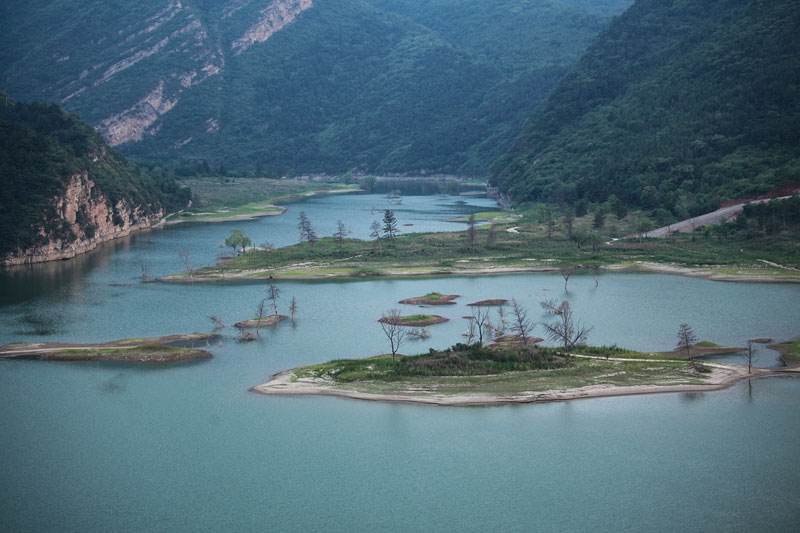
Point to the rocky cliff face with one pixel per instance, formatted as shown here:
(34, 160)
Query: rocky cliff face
(80, 219)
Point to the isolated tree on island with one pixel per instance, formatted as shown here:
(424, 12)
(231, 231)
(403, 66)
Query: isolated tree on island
(389, 224)
(395, 333)
(565, 329)
(260, 316)
(307, 232)
(686, 339)
(237, 240)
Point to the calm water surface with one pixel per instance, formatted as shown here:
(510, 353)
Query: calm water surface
(94, 447)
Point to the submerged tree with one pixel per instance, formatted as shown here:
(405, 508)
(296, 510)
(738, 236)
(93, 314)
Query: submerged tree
(273, 294)
(395, 333)
(217, 321)
(686, 339)
(293, 309)
(565, 329)
(520, 324)
(389, 224)
(566, 273)
(749, 355)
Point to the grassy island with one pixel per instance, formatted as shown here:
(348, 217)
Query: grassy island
(524, 247)
(511, 373)
(169, 349)
(415, 321)
(432, 298)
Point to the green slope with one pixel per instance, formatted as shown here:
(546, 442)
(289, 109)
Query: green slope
(678, 105)
(378, 85)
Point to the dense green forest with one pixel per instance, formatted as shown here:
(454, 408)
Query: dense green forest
(370, 85)
(41, 146)
(679, 105)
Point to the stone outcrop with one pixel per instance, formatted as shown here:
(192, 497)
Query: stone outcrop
(81, 218)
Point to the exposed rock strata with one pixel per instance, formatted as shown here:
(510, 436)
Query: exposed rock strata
(81, 218)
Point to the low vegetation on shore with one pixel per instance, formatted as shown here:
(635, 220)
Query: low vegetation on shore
(224, 199)
(538, 242)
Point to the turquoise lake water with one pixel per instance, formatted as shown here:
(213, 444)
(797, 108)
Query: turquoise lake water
(102, 447)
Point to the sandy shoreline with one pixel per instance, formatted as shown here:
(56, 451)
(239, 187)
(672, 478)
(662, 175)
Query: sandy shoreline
(723, 376)
(418, 272)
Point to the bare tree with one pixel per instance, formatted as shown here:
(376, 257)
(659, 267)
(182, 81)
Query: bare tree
(749, 355)
(273, 294)
(394, 331)
(471, 331)
(480, 317)
(472, 231)
(566, 273)
(293, 308)
(520, 323)
(218, 323)
(686, 339)
(260, 316)
(565, 329)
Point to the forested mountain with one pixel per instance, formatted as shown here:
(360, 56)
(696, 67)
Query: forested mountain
(63, 191)
(678, 105)
(292, 86)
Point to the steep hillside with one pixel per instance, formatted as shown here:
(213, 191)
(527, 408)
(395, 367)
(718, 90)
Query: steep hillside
(62, 190)
(678, 105)
(291, 86)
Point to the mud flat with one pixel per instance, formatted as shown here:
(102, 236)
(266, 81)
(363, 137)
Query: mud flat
(267, 321)
(168, 349)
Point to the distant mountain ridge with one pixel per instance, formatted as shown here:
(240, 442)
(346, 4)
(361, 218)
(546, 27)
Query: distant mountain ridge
(63, 191)
(293, 86)
(677, 106)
